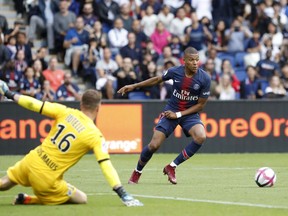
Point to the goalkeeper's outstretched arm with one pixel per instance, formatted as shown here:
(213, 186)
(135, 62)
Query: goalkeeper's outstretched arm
(23, 100)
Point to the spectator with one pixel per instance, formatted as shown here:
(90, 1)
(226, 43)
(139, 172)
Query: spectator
(46, 93)
(160, 38)
(214, 79)
(267, 68)
(20, 63)
(125, 16)
(225, 89)
(212, 54)
(219, 40)
(154, 4)
(11, 76)
(68, 91)
(275, 35)
(3, 24)
(166, 56)
(12, 32)
(250, 87)
(76, 42)
(275, 88)
(63, 21)
(253, 50)
(174, 5)
(89, 60)
(266, 44)
(149, 21)
(203, 8)
(117, 37)
(165, 16)
(30, 86)
(284, 76)
(141, 37)
(104, 70)
(107, 11)
(152, 91)
(22, 45)
(54, 75)
(283, 55)
(209, 67)
(236, 36)
(279, 18)
(179, 24)
(197, 35)
(125, 75)
(11, 45)
(43, 21)
(262, 20)
(99, 35)
(176, 47)
(88, 17)
(227, 68)
(38, 71)
(41, 55)
(4, 54)
(131, 50)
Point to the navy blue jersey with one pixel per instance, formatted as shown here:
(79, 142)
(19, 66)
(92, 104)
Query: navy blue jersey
(26, 85)
(186, 91)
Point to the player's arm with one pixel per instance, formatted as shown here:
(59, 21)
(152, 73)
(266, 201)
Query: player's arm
(149, 82)
(196, 108)
(112, 177)
(193, 109)
(30, 103)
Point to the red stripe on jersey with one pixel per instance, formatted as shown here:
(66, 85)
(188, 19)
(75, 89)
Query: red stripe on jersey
(186, 83)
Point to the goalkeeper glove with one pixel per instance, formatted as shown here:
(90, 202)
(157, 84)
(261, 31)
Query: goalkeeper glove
(4, 90)
(126, 198)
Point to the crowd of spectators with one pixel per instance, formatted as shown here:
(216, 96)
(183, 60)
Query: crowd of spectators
(242, 44)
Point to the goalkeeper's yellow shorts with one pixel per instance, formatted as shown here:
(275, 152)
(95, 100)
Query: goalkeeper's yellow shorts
(50, 191)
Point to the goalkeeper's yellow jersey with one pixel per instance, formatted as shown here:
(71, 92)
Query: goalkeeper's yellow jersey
(72, 135)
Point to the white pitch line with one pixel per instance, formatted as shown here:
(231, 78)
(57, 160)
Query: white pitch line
(201, 201)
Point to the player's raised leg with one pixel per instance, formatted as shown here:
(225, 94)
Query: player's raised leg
(198, 134)
(146, 154)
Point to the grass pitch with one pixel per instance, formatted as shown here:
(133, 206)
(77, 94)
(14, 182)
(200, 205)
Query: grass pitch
(208, 184)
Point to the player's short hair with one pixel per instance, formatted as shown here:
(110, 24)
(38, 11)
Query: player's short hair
(190, 50)
(91, 99)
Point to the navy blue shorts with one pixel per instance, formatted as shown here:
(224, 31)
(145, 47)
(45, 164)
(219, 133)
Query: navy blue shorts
(167, 126)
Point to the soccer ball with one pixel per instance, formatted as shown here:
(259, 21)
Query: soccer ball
(265, 177)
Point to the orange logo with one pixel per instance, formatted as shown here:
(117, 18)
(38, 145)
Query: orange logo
(121, 125)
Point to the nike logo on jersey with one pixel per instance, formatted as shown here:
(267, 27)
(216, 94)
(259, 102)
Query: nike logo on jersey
(206, 93)
(176, 81)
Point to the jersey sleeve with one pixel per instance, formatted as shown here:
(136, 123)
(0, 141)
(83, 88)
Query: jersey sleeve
(101, 149)
(168, 74)
(205, 92)
(53, 110)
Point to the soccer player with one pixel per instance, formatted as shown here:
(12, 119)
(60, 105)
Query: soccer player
(72, 135)
(191, 89)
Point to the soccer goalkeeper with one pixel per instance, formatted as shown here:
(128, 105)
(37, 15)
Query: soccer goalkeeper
(72, 135)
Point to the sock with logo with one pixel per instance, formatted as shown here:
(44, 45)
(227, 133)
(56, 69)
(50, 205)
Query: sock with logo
(145, 156)
(186, 153)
